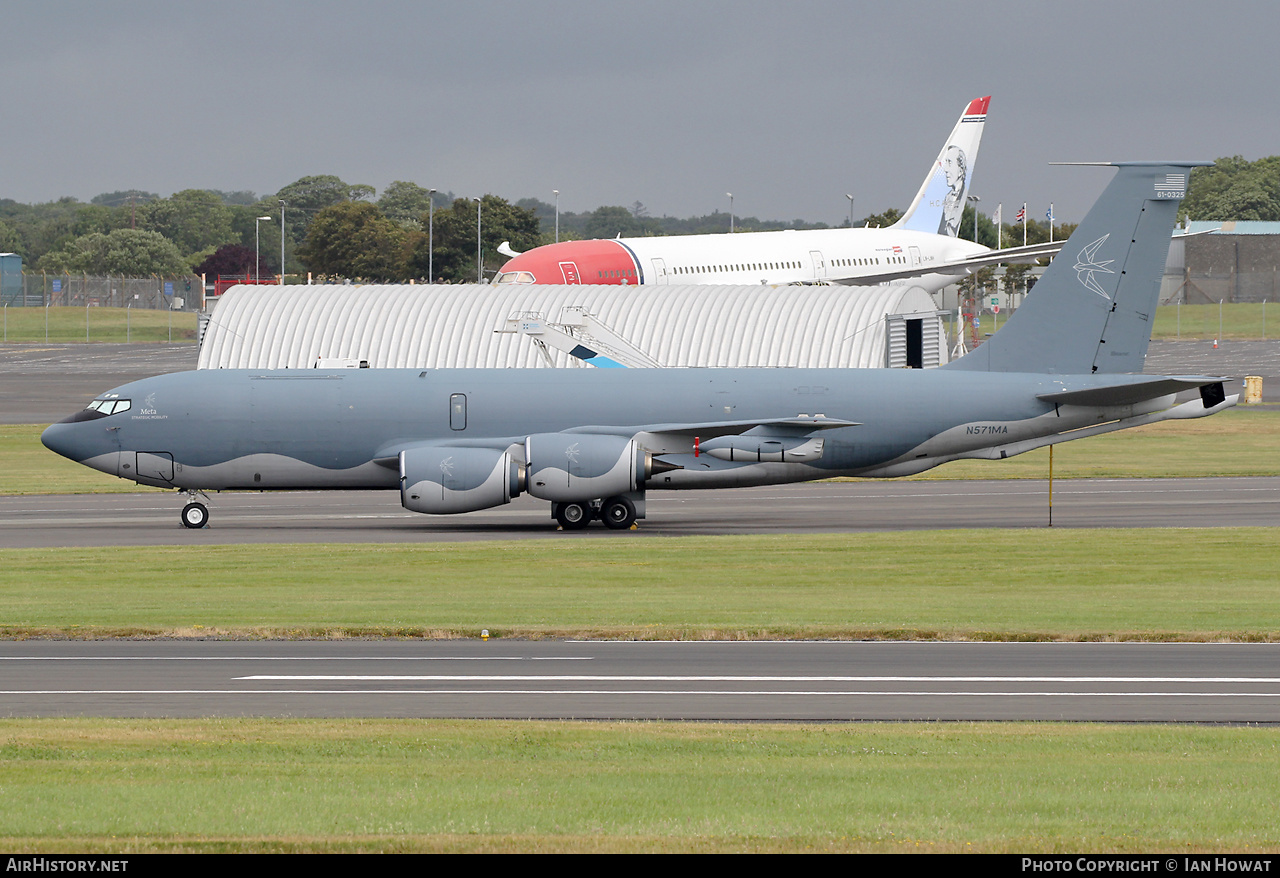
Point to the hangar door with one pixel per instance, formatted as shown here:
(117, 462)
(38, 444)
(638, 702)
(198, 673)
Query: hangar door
(914, 341)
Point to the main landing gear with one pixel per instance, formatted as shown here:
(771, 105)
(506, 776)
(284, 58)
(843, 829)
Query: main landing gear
(617, 513)
(195, 514)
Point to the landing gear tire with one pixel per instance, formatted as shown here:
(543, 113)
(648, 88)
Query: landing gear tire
(573, 516)
(195, 515)
(618, 513)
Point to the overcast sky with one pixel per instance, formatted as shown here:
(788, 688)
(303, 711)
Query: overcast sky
(787, 105)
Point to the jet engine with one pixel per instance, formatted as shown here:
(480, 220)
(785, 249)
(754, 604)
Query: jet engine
(571, 467)
(442, 479)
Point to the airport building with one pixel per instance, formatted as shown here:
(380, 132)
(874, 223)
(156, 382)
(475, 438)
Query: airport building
(531, 326)
(1223, 261)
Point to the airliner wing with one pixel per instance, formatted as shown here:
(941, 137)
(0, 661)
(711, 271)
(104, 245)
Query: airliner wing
(959, 267)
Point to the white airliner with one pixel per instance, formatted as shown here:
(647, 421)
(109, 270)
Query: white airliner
(922, 246)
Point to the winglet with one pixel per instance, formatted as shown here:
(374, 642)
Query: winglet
(939, 204)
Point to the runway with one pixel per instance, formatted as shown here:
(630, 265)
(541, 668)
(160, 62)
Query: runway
(151, 519)
(770, 681)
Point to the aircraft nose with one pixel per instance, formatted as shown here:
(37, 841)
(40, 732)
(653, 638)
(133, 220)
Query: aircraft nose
(61, 439)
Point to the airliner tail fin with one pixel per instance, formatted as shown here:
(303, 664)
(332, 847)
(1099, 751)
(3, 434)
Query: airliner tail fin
(939, 204)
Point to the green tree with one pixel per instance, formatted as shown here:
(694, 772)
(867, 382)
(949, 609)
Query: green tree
(611, 222)
(242, 197)
(455, 238)
(264, 235)
(10, 240)
(306, 197)
(123, 198)
(354, 240)
(406, 204)
(1037, 233)
(880, 220)
(194, 220)
(128, 252)
(986, 228)
(1234, 189)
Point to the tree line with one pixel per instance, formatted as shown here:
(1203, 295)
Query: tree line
(335, 229)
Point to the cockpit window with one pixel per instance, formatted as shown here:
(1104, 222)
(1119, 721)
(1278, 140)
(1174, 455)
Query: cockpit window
(110, 406)
(514, 277)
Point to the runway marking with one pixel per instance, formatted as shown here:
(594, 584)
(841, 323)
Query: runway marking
(770, 693)
(283, 658)
(703, 678)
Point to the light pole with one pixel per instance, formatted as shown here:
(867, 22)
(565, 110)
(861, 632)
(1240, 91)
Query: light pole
(557, 194)
(282, 207)
(850, 197)
(257, 249)
(973, 199)
(479, 259)
(730, 194)
(431, 242)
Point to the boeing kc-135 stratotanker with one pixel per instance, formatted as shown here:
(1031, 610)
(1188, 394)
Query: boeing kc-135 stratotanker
(593, 442)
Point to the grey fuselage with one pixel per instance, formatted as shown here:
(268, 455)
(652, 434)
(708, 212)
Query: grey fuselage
(288, 429)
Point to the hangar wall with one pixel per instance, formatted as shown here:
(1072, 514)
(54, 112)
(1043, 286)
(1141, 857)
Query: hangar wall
(464, 326)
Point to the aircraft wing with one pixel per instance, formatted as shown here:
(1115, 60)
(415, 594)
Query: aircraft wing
(655, 438)
(779, 439)
(958, 267)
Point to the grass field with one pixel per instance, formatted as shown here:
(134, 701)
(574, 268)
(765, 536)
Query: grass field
(114, 786)
(118, 325)
(1136, 584)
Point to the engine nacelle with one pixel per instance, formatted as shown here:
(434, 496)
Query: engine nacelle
(443, 480)
(572, 467)
(763, 449)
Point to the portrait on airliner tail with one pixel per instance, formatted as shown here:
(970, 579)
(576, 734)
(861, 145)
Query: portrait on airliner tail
(955, 169)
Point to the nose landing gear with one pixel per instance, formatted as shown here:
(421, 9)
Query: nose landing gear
(195, 514)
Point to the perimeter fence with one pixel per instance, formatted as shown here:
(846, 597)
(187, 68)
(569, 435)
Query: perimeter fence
(36, 290)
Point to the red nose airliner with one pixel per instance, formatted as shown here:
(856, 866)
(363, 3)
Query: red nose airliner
(922, 245)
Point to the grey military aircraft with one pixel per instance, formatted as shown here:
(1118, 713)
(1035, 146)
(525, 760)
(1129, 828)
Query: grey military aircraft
(593, 442)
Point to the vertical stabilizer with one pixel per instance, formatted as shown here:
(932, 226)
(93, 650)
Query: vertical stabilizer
(939, 204)
(1093, 310)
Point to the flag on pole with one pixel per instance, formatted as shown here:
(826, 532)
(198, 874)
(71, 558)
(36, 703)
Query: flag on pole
(1048, 214)
(1022, 215)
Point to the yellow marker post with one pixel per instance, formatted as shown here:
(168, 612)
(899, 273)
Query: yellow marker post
(1050, 486)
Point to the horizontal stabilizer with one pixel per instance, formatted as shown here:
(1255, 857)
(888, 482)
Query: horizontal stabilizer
(1130, 392)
